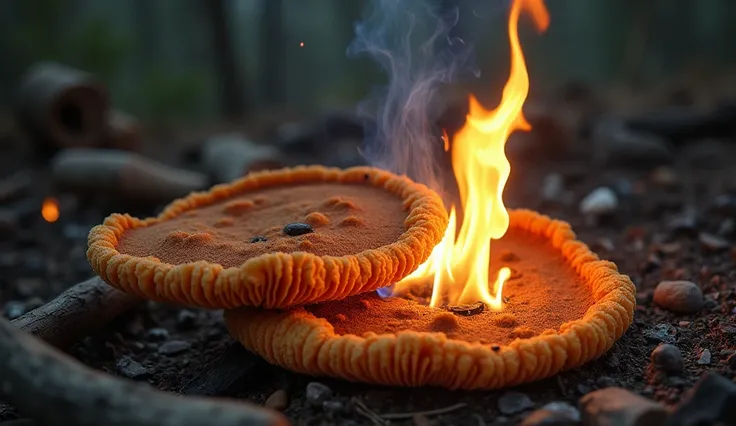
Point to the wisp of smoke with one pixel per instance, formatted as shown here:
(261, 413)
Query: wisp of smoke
(410, 40)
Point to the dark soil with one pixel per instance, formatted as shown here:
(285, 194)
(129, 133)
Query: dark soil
(645, 236)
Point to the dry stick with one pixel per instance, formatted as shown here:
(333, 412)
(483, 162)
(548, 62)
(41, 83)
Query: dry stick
(121, 173)
(366, 412)
(435, 412)
(76, 313)
(55, 390)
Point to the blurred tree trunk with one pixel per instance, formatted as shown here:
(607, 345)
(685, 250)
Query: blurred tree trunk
(147, 42)
(231, 93)
(271, 39)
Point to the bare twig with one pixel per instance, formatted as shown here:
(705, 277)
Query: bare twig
(366, 412)
(435, 412)
(76, 313)
(54, 389)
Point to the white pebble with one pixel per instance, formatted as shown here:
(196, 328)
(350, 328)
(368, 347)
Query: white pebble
(599, 202)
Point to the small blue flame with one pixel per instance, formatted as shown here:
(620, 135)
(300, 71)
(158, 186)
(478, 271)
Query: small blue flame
(385, 292)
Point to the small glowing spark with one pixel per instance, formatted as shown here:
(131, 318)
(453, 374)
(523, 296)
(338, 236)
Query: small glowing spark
(301, 44)
(50, 210)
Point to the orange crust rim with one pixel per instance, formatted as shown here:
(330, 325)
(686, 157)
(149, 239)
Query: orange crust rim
(299, 341)
(274, 279)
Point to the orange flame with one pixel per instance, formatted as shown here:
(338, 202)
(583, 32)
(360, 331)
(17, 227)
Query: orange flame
(459, 264)
(50, 210)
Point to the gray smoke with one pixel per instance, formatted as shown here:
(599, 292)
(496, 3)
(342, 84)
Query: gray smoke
(410, 40)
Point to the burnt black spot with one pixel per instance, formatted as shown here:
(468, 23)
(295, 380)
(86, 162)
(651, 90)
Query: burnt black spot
(297, 228)
(366, 176)
(495, 348)
(258, 239)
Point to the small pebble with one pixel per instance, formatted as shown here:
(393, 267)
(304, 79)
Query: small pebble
(186, 318)
(713, 242)
(682, 297)
(333, 407)
(297, 228)
(14, 309)
(662, 332)
(318, 393)
(709, 402)
(705, 357)
(514, 402)
(173, 347)
(130, 368)
(259, 239)
(278, 400)
(553, 414)
(605, 382)
(158, 334)
(667, 358)
(601, 201)
(552, 186)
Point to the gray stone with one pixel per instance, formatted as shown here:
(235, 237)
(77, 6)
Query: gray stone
(318, 393)
(682, 297)
(186, 319)
(158, 334)
(14, 309)
(705, 357)
(514, 402)
(173, 347)
(333, 407)
(601, 201)
(130, 368)
(663, 333)
(667, 358)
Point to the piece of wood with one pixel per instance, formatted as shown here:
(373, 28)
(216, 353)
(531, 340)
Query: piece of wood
(230, 156)
(58, 107)
(76, 313)
(123, 174)
(52, 388)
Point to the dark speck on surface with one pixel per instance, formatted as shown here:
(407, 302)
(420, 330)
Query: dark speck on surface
(260, 238)
(297, 228)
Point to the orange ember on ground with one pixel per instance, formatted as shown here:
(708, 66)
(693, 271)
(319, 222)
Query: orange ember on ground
(459, 264)
(50, 210)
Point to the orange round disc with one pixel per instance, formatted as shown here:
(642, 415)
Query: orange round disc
(274, 239)
(562, 307)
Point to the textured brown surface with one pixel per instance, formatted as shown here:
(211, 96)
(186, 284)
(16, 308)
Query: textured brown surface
(347, 219)
(298, 340)
(542, 294)
(273, 279)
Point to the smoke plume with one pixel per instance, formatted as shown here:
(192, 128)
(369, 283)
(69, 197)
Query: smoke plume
(410, 40)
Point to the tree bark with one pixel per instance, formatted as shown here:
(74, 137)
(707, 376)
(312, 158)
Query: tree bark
(76, 313)
(231, 91)
(52, 388)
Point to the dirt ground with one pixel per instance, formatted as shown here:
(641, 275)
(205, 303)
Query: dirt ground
(675, 222)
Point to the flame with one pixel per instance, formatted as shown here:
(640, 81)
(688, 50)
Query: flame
(50, 210)
(459, 264)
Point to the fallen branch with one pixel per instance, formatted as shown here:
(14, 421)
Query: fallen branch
(123, 174)
(435, 412)
(54, 389)
(365, 411)
(76, 313)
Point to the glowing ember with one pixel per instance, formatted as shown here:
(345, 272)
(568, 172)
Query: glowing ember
(50, 210)
(459, 264)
